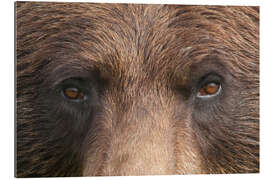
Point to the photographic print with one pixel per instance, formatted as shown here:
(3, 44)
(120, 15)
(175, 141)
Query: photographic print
(111, 89)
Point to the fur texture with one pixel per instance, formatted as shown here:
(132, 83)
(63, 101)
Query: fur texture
(142, 66)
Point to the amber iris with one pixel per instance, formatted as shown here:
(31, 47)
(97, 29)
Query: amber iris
(73, 93)
(209, 89)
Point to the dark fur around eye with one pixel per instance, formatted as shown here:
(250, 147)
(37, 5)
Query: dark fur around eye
(74, 114)
(191, 90)
(87, 93)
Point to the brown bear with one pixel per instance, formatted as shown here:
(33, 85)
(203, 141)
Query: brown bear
(132, 89)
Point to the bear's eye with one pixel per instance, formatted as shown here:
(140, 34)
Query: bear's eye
(74, 89)
(73, 93)
(209, 89)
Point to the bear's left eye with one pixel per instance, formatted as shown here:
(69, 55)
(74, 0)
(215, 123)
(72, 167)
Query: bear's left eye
(210, 87)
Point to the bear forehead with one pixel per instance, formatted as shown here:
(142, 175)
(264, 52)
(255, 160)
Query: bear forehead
(133, 39)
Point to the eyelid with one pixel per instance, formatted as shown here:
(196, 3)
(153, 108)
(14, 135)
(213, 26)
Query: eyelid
(210, 77)
(61, 78)
(78, 82)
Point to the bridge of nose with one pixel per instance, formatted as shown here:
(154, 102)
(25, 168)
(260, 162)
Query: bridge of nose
(141, 142)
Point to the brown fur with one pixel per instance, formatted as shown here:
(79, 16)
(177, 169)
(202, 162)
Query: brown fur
(145, 63)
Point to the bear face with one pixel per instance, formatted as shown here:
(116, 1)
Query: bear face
(123, 89)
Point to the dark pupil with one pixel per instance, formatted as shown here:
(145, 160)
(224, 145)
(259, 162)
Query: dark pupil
(73, 93)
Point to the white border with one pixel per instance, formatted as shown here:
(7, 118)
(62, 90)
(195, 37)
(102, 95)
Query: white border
(7, 87)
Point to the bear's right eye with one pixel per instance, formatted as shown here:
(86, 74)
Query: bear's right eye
(73, 93)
